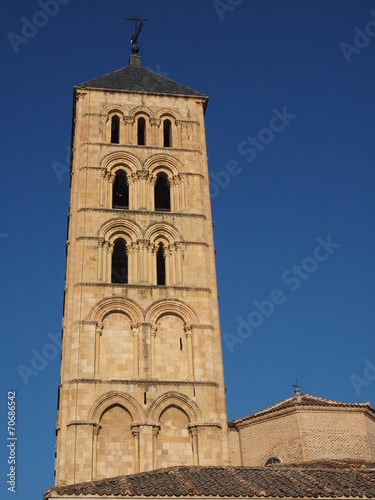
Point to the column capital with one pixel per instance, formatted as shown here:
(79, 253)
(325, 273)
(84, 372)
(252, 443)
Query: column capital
(129, 120)
(155, 122)
(96, 428)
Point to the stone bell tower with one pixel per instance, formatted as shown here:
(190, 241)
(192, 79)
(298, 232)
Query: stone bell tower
(141, 382)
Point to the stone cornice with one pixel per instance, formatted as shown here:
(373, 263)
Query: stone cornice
(141, 212)
(145, 286)
(143, 382)
(135, 146)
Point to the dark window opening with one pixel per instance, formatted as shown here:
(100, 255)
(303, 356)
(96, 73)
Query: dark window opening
(160, 266)
(272, 461)
(167, 131)
(180, 344)
(141, 131)
(120, 191)
(115, 129)
(162, 195)
(144, 398)
(119, 262)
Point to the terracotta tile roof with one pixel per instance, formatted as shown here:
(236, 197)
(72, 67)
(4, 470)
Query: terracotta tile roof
(324, 479)
(302, 400)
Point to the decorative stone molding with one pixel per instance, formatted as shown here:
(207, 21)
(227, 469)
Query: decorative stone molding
(146, 286)
(125, 214)
(143, 382)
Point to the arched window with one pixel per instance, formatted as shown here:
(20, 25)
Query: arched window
(160, 266)
(115, 129)
(162, 194)
(272, 461)
(141, 131)
(120, 198)
(119, 262)
(167, 133)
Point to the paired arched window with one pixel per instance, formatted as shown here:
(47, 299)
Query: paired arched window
(167, 133)
(141, 131)
(120, 198)
(162, 194)
(119, 262)
(160, 265)
(272, 461)
(115, 129)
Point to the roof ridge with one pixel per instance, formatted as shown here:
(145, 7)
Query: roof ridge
(300, 400)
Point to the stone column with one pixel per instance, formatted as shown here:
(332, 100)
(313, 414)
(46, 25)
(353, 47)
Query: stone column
(182, 194)
(172, 264)
(150, 270)
(167, 266)
(98, 334)
(187, 329)
(142, 176)
(129, 122)
(194, 437)
(135, 432)
(152, 181)
(155, 432)
(179, 263)
(152, 340)
(135, 190)
(135, 350)
(100, 259)
(95, 433)
(155, 126)
(109, 190)
(129, 254)
(101, 189)
(109, 248)
(135, 272)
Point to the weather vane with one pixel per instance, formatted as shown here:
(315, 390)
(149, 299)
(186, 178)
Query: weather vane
(137, 30)
(297, 388)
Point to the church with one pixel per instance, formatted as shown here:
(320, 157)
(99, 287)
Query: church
(141, 399)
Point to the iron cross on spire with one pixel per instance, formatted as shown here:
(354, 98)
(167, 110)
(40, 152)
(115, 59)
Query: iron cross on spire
(297, 388)
(137, 30)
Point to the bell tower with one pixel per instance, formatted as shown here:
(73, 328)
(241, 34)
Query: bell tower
(141, 383)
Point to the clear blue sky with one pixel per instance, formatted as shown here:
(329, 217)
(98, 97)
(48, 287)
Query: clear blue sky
(307, 175)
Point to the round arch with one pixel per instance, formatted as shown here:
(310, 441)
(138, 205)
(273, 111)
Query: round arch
(116, 398)
(120, 227)
(173, 306)
(177, 400)
(113, 108)
(141, 110)
(163, 163)
(112, 305)
(121, 160)
(162, 229)
(167, 113)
